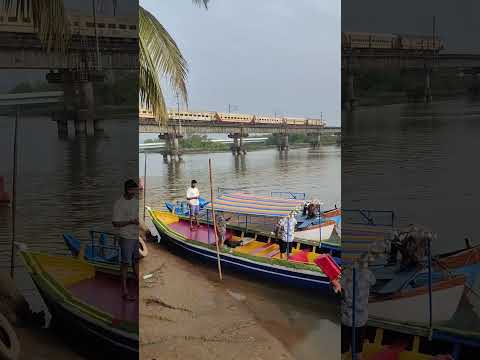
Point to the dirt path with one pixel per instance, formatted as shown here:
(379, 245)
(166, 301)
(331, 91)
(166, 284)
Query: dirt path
(183, 315)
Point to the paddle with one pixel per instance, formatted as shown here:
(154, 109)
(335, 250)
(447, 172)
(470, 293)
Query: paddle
(214, 220)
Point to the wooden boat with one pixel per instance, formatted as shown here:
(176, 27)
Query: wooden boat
(409, 292)
(328, 215)
(257, 255)
(87, 297)
(320, 232)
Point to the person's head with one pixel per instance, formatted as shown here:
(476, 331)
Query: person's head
(130, 189)
(194, 183)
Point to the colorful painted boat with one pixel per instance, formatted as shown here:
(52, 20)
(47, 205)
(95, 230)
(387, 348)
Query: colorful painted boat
(87, 297)
(320, 232)
(329, 215)
(410, 293)
(256, 256)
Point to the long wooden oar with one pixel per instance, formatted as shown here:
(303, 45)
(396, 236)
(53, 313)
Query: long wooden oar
(214, 220)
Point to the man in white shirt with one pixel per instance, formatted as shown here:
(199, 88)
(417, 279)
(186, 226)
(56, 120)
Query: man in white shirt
(194, 204)
(125, 220)
(287, 225)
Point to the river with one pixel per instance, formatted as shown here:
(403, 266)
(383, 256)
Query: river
(421, 162)
(307, 325)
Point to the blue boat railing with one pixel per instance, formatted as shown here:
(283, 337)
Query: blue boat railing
(106, 243)
(289, 195)
(368, 217)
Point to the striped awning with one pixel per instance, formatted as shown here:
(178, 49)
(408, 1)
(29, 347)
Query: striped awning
(361, 239)
(248, 204)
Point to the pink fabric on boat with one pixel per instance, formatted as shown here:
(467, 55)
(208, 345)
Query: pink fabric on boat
(203, 233)
(104, 292)
(301, 256)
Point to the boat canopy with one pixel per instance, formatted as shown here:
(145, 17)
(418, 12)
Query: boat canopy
(248, 204)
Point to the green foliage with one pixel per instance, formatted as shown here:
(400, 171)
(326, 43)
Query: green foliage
(26, 87)
(202, 143)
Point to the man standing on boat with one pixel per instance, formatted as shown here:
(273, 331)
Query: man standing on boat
(125, 220)
(193, 196)
(364, 280)
(287, 227)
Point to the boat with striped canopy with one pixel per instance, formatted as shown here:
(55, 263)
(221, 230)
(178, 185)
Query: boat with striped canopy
(262, 212)
(87, 297)
(251, 252)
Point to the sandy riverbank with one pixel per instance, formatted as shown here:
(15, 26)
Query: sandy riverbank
(183, 315)
(42, 344)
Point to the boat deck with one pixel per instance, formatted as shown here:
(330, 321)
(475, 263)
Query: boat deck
(104, 292)
(204, 234)
(269, 250)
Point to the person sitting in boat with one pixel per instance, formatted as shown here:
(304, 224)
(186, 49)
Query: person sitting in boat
(287, 226)
(221, 229)
(125, 219)
(412, 244)
(193, 196)
(364, 280)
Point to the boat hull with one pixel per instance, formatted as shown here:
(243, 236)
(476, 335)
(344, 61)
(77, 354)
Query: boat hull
(110, 341)
(412, 306)
(322, 232)
(256, 270)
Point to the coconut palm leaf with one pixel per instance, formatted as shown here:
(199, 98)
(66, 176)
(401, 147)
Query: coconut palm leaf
(159, 57)
(48, 17)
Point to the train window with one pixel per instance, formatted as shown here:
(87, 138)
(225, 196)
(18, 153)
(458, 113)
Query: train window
(133, 27)
(122, 26)
(112, 26)
(101, 25)
(90, 24)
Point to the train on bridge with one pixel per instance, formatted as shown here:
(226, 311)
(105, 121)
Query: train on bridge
(79, 24)
(218, 117)
(367, 40)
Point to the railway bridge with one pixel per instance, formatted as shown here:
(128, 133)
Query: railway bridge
(177, 128)
(422, 64)
(96, 44)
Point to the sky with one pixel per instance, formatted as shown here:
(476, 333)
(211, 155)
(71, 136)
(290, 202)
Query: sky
(262, 57)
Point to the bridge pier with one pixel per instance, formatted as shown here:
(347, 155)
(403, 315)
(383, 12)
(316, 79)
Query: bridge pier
(315, 140)
(428, 88)
(79, 102)
(172, 146)
(238, 146)
(283, 145)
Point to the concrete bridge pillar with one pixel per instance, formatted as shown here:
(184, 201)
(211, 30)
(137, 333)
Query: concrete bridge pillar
(350, 85)
(238, 146)
(428, 88)
(315, 140)
(283, 146)
(172, 146)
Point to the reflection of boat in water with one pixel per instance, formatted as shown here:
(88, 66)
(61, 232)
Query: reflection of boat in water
(250, 253)
(406, 298)
(87, 298)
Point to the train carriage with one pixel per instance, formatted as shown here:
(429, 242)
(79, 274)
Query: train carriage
(235, 118)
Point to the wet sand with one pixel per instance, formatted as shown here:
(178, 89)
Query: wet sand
(185, 315)
(42, 344)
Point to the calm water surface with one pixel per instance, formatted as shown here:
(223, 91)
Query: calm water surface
(420, 161)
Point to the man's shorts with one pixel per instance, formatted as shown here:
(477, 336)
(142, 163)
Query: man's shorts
(194, 209)
(285, 246)
(129, 251)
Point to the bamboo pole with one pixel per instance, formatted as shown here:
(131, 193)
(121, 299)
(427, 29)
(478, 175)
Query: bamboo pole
(144, 186)
(14, 192)
(214, 220)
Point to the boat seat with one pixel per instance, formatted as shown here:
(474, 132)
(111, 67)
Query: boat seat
(249, 247)
(247, 240)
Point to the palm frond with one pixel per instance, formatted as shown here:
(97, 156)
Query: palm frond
(48, 17)
(159, 56)
(201, 2)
